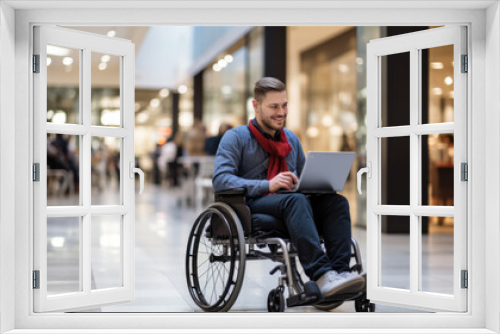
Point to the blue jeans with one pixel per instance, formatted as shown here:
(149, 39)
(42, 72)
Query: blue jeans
(301, 217)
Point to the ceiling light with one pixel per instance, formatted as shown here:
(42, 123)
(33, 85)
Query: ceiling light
(216, 67)
(312, 132)
(228, 58)
(343, 68)
(327, 120)
(110, 117)
(111, 33)
(57, 242)
(155, 103)
(186, 119)
(49, 61)
(142, 117)
(67, 61)
(226, 90)
(336, 131)
(164, 92)
(437, 66)
(182, 89)
(59, 117)
(105, 58)
(437, 91)
(57, 51)
(222, 63)
(448, 80)
(103, 66)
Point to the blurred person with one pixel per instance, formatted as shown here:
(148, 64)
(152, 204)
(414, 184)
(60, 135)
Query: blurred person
(99, 158)
(158, 167)
(170, 153)
(55, 157)
(114, 164)
(65, 157)
(212, 143)
(449, 154)
(264, 157)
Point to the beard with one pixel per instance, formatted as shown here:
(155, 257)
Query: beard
(268, 122)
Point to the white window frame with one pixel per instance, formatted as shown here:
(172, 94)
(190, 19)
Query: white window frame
(483, 122)
(413, 44)
(86, 44)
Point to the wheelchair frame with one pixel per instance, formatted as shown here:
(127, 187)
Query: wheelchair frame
(221, 240)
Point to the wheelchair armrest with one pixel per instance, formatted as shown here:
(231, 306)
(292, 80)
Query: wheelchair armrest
(231, 192)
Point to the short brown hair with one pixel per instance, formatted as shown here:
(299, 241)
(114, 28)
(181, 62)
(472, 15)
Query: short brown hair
(265, 85)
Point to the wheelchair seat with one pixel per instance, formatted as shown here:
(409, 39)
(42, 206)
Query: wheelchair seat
(226, 235)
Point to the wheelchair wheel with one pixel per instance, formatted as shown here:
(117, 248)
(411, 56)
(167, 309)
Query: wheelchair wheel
(276, 300)
(364, 305)
(215, 258)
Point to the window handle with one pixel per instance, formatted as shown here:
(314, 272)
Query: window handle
(368, 171)
(133, 170)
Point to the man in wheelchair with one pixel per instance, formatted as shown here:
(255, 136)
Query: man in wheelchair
(264, 157)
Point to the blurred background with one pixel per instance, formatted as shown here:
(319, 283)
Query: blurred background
(193, 83)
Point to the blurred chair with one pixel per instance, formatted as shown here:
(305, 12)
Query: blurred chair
(203, 181)
(59, 181)
(199, 179)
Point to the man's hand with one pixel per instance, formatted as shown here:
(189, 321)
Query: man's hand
(284, 180)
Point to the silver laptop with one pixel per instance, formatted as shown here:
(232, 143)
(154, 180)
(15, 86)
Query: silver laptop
(324, 172)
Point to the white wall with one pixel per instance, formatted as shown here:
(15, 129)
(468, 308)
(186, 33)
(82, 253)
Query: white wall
(492, 163)
(7, 186)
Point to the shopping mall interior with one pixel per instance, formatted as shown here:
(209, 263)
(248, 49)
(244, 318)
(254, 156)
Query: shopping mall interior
(193, 81)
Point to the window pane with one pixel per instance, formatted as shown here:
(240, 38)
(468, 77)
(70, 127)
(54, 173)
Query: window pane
(440, 168)
(105, 169)
(105, 90)
(63, 82)
(106, 252)
(395, 171)
(437, 255)
(63, 255)
(395, 89)
(395, 255)
(440, 98)
(63, 171)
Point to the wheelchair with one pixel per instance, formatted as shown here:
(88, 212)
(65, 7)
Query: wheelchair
(220, 243)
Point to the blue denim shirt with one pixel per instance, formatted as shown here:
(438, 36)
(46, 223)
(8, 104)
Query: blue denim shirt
(242, 163)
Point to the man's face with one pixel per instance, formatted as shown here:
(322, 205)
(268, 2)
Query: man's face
(271, 113)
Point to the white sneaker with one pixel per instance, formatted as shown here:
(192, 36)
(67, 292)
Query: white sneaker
(332, 283)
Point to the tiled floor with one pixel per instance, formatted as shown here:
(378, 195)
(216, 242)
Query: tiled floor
(163, 224)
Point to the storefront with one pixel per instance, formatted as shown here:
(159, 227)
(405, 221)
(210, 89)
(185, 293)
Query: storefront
(483, 194)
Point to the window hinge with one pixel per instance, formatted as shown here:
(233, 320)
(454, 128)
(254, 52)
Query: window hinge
(36, 63)
(464, 171)
(465, 279)
(36, 279)
(465, 64)
(36, 172)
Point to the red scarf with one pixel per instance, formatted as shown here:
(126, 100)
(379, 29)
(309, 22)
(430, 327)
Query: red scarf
(278, 151)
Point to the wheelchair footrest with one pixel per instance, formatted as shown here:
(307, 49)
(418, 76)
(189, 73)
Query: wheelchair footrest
(312, 295)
